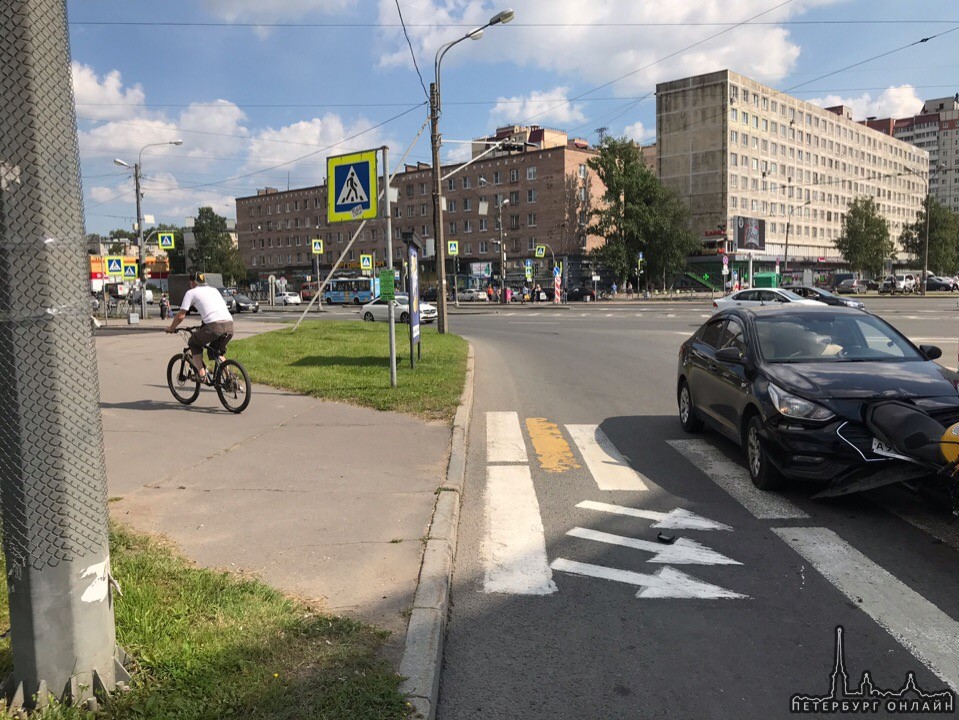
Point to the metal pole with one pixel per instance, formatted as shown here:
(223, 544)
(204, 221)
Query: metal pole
(53, 485)
(436, 141)
(925, 262)
(391, 305)
(142, 250)
(786, 251)
(502, 257)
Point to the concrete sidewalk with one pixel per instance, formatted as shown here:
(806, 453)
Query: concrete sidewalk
(322, 500)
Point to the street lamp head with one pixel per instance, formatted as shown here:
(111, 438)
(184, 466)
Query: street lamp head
(118, 161)
(505, 202)
(176, 142)
(475, 34)
(502, 17)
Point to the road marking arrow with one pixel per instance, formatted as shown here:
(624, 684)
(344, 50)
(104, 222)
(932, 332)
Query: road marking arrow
(682, 552)
(677, 519)
(664, 583)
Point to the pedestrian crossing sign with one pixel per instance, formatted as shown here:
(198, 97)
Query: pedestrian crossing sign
(114, 265)
(366, 262)
(540, 251)
(317, 246)
(129, 270)
(351, 187)
(453, 248)
(166, 240)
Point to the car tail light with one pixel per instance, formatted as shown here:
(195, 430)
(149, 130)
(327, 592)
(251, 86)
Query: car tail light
(714, 304)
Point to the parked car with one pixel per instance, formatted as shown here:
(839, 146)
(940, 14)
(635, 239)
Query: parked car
(852, 285)
(838, 279)
(244, 303)
(134, 297)
(823, 296)
(377, 310)
(581, 293)
(910, 282)
(789, 384)
(893, 284)
(762, 296)
(287, 298)
(473, 295)
(429, 294)
(938, 283)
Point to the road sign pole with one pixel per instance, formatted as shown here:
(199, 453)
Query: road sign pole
(390, 305)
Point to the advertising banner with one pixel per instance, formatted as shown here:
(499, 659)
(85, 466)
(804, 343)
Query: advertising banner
(750, 234)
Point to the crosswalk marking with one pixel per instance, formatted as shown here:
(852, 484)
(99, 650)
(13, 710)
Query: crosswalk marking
(666, 582)
(504, 438)
(677, 519)
(515, 541)
(925, 630)
(609, 469)
(551, 447)
(734, 479)
(682, 552)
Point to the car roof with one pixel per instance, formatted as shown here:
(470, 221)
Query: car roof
(794, 309)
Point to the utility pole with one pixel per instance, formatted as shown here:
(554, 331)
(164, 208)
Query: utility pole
(436, 141)
(141, 248)
(53, 489)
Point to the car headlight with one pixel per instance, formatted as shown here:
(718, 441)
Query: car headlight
(796, 407)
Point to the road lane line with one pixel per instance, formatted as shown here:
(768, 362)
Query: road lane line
(515, 540)
(609, 469)
(664, 583)
(554, 453)
(734, 479)
(504, 438)
(925, 630)
(682, 551)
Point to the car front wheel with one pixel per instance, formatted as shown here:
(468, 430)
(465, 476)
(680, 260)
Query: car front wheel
(368, 317)
(687, 413)
(762, 472)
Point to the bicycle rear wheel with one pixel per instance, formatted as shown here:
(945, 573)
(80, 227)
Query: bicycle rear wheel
(233, 386)
(182, 379)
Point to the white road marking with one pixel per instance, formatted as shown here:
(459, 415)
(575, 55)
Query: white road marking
(677, 519)
(639, 314)
(734, 479)
(682, 552)
(940, 528)
(664, 583)
(925, 630)
(504, 438)
(515, 541)
(609, 469)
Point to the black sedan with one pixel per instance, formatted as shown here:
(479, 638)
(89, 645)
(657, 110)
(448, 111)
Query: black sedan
(823, 296)
(244, 303)
(581, 293)
(790, 384)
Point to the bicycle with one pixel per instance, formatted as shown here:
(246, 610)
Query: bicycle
(230, 378)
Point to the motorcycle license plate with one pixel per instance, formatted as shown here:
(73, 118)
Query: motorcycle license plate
(881, 448)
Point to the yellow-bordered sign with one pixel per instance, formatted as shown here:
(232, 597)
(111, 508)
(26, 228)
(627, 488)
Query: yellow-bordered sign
(114, 265)
(540, 251)
(452, 248)
(317, 246)
(351, 187)
(366, 262)
(129, 270)
(167, 241)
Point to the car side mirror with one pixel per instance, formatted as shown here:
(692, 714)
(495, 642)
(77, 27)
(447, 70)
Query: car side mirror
(730, 355)
(932, 352)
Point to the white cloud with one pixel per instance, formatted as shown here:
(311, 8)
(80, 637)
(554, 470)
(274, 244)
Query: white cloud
(104, 98)
(895, 102)
(458, 153)
(638, 132)
(540, 107)
(251, 11)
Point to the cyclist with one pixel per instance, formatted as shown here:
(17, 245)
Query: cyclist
(216, 323)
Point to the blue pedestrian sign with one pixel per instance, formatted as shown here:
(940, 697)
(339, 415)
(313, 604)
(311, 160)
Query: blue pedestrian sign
(115, 265)
(129, 271)
(351, 187)
(317, 246)
(529, 263)
(167, 240)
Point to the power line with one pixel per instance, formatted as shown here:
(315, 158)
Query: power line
(412, 54)
(340, 25)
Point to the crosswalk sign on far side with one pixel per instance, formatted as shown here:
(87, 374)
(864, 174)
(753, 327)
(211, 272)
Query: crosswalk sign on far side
(351, 186)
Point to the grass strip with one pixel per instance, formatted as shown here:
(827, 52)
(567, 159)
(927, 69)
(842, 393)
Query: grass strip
(209, 645)
(349, 361)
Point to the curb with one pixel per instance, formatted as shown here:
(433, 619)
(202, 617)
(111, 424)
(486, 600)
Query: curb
(423, 656)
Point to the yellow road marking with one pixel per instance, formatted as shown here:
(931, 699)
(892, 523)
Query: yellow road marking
(554, 452)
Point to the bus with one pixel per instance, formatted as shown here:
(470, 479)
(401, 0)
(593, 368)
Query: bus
(355, 290)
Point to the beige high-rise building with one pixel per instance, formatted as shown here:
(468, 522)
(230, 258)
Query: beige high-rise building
(734, 148)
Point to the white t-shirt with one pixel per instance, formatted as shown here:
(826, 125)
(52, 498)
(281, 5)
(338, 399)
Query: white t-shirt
(208, 302)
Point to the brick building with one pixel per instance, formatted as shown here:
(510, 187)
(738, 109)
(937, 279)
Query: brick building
(545, 179)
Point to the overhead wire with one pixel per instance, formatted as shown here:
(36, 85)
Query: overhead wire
(412, 53)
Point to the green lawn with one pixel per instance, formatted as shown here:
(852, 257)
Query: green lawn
(348, 361)
(209, 646)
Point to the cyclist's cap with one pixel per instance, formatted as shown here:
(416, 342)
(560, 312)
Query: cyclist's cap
(198, 277)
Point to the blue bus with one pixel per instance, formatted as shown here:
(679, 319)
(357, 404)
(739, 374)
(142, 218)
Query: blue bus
(355, 290)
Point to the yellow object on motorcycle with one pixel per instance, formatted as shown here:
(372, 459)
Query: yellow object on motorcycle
(949, 444)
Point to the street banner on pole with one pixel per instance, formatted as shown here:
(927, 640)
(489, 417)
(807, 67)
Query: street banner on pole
(352, 187)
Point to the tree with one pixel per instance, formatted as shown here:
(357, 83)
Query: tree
(214, 251)
(943, 237)
(639, 214)
(864, 242)
(577, 206)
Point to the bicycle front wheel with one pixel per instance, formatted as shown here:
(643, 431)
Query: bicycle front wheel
(233, 386)
(182, 379)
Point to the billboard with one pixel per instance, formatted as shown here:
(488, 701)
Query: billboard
(749, 234)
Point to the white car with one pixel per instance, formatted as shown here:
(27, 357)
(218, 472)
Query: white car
(472, 295)
(761, 296)
(287, 298)
(377, 310)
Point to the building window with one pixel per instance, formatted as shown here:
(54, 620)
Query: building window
(468, 248)
(467, 183)
(514, 198)
(745, 117)
(422, 188)
(530, 196)
(453, 228)
(467, 226)
(450, 206)
(734, 137)
(451, 184)
(733, 159)
(497, 177)
(482, 247)
(531, 172)
(467, 204)
(531, 220)
(582, 171)
(483, 225)
(409, 190)
(514, 222)
(734, 115)
(514, 175)
(423, 209)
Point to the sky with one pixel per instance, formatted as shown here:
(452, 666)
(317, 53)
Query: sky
(261, 92)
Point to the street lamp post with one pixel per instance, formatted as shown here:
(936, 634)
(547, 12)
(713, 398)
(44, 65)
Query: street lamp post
(788, 222)
(140, 243)
(502, 252)
(436, 141)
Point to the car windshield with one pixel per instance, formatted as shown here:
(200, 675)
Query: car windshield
(827, 337)
(243, 299)
(790, 294)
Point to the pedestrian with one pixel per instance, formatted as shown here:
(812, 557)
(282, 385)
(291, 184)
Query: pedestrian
(629, 290)
(489, 293)
(522, 298)
(613, 289)
(509, 295)
(164, 307)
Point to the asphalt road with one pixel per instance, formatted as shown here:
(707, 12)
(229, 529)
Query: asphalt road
(569, 610)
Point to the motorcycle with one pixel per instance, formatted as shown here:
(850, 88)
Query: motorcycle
(928, 451)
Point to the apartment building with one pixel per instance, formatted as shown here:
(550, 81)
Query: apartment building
(936, 130)
(542, 189)
(732, 147)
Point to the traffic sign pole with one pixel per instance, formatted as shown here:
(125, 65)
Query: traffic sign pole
(391, 304)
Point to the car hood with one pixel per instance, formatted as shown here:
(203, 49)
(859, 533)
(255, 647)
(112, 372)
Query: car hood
(864, 380)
